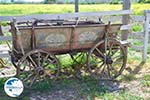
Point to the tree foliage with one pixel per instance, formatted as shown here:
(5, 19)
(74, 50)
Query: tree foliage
(50, 1)
(144, 1)
(116, 1)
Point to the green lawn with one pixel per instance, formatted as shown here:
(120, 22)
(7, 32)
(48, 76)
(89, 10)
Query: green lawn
(23, 9)
(86, 87)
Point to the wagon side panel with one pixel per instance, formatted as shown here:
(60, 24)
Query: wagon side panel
(53, 39)
(23, 40)
(86, 37)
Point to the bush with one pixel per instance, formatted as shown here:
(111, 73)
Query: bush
(144, 1)
(116, 2)
(49, 1)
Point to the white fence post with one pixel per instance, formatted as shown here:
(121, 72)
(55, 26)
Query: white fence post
(146, 33)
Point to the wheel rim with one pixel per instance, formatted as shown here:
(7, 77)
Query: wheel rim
(107, 59)
(36, 66)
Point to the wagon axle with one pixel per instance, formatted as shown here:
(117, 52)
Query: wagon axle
(108, 60)
(40, 70)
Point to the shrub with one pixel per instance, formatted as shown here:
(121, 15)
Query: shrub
(144, 1)
(116, 2)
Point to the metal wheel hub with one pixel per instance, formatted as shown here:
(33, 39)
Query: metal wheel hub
(109, 60)
(40, 70)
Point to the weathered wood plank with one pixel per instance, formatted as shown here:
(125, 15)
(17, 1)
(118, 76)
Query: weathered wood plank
(147, 22)
(137, 35)
(125, 43)
(4, 55)
(125, 19)
(146, 11)
(65, 16)
(1, 32)
(76, 5)
(126, 27)
(138, 48)
(5, 38)
(137, 18)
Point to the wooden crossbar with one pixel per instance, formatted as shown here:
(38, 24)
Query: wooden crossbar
(5, 38)
(65, 16)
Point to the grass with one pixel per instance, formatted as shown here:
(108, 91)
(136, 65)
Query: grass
(24, 9)
(86, 87)
(146, 80)
(89, 89)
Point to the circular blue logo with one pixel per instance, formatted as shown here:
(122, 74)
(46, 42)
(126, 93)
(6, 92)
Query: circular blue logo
(13, 87)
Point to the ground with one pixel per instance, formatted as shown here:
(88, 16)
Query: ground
(134, 84)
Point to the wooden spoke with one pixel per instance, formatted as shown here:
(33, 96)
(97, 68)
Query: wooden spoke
(39, 58)
(99, 52)
(114, 59)
(32, 61)
(36, 65)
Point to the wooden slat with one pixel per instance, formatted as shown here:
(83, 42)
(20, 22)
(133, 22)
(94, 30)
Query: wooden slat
(147, 11)
(147, 22)
(125, 43)
(65, 16)
(4, 55)
(137, 35)
(125, 19)
(125, 27)
(1, 32)
(139, 48)
(137, 18)
(5, 38)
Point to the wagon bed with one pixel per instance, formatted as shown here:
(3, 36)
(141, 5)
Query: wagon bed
(63, 38)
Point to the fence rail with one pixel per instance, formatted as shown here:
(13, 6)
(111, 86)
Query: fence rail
(65, 16)
(142, 20)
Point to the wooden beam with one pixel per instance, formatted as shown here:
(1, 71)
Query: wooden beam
(147, 11)
(65, 16)
(4, 55)
(5, 38)
(125, 27)
(76, 5)
(138, 18)
(146, 35)
(1, 32)
(137, 35)
(138, 48)
(125, 19)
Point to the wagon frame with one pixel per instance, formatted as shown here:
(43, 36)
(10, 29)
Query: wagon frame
(34, 53)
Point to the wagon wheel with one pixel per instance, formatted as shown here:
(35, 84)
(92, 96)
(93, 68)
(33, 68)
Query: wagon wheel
(36, 66)
(79, 63)
(107, 59)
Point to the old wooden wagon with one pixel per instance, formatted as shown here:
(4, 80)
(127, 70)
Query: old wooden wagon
(37, 43)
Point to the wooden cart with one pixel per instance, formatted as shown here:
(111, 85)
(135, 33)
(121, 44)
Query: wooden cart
(36, 44)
